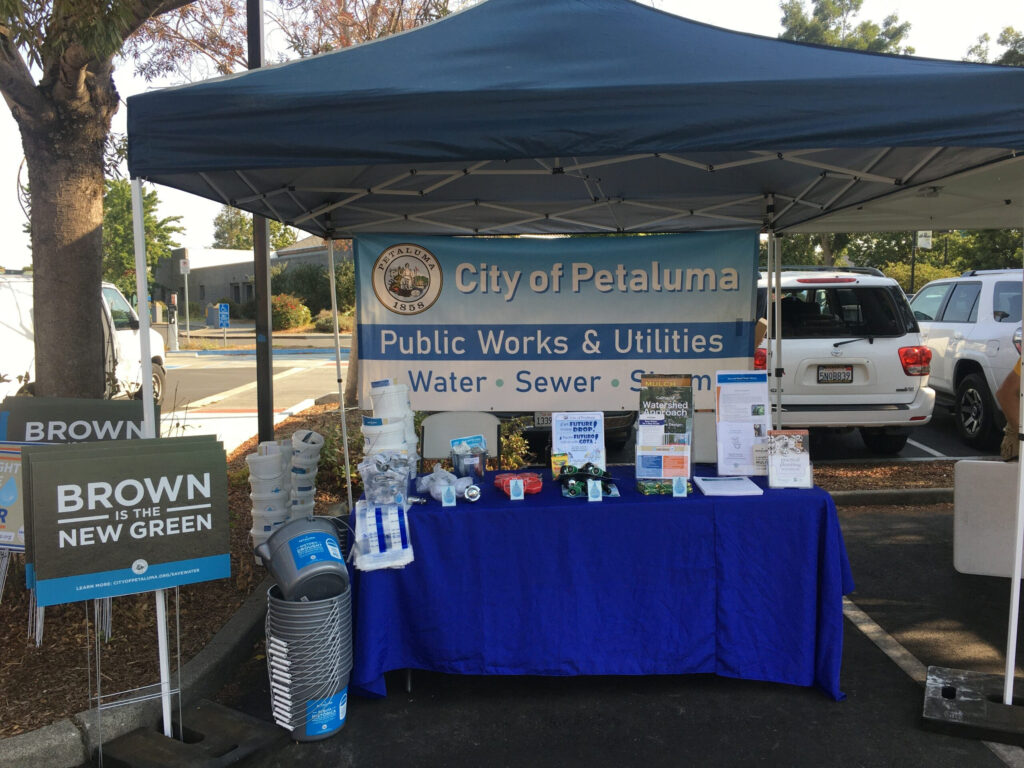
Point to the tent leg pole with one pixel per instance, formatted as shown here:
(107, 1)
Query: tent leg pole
(142, 290)
(1018, 546)
(337, 367)
(774, 347)
(149, 431)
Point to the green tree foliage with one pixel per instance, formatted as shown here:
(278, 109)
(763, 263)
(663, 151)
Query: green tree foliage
(119, 234)
(834, 23)
(1013, 45)
(56, 77)
(232, 228)
(311, 284)
(952, 252)
(923, 273)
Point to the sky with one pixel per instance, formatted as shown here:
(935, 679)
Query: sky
(934, 33)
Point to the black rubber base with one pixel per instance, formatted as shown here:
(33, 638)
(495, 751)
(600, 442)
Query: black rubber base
(214, 736)
(970, 704)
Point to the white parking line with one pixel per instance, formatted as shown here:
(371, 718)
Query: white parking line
(918, 672)
(926, 449)
(203, 402)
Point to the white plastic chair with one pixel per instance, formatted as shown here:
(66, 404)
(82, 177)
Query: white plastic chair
(439, 429)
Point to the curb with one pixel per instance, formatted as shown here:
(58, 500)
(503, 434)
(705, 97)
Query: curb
(887, 498)
(71, 742)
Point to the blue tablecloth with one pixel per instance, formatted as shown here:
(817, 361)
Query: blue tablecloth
(747, 587)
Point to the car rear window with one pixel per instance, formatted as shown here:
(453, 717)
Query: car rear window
(844, 311)
(1006, 302)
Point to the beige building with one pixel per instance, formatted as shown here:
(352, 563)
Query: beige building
(216, 274)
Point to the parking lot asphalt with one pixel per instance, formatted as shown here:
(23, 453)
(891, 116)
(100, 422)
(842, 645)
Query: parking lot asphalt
(907, 597)
(905, 585)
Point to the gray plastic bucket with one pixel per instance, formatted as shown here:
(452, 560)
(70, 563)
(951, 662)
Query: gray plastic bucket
(304, 556)
(309, 658)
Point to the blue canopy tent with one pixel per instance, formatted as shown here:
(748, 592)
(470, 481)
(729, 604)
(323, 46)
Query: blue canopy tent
(568, 116)
(593, 115)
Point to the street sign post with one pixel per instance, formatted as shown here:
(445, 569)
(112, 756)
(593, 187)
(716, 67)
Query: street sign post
(184, 266)
(224, 318)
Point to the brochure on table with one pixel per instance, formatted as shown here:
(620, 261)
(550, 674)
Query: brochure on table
(670, 396)
(789, 459)
(742, 416)
(664, 427)
(580, 434)
(727, 486)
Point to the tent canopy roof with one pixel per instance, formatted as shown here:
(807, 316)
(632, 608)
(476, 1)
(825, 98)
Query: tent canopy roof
(594, 115)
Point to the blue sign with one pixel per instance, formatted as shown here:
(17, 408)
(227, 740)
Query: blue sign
(224, 315)
(466, 323)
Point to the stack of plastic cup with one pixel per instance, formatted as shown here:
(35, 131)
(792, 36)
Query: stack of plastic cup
(269, 486)
(391, 427)
(305, 458)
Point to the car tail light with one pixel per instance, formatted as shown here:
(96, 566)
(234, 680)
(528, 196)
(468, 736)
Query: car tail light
(916, 360)
(1016, 339)
(760, 359)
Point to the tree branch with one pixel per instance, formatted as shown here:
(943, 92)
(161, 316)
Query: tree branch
(16, 83)
(144, 10)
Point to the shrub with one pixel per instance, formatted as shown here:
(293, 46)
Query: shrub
(310, 283)
(325, 323)
(286, 311)
(515, 451)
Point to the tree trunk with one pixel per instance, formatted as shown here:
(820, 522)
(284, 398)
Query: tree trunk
(65, 161)
(827, 256)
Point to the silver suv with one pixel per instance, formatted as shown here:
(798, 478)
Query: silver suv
(852, 355)
(972, 325)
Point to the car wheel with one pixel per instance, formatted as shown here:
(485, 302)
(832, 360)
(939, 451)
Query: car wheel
(159, 374)
(882, 442)
(975, 413)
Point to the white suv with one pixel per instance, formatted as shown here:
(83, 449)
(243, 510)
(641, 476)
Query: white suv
(972, 325)
(852, 355)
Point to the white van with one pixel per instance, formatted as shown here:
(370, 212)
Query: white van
(122, 349)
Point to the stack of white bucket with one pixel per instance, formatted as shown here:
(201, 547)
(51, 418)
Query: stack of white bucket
(391, 427)
(269, 484)
(306, 446)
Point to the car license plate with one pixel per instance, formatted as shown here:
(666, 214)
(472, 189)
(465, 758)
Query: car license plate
(542, 419)
(835, 374)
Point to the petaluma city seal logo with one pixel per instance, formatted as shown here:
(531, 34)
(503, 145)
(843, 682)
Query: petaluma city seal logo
(407, 279)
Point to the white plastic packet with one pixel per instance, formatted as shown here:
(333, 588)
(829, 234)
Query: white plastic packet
(381, 537)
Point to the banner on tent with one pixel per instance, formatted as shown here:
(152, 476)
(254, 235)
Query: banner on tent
(552, 323)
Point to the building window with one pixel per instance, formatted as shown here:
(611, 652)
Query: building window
(202, 292)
